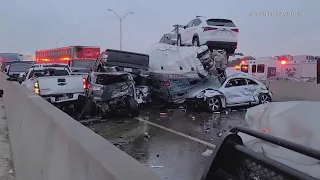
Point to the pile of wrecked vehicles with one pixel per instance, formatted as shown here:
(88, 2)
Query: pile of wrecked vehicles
(126, 81)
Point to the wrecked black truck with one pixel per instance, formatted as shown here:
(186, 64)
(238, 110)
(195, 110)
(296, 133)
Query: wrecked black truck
(118, 82)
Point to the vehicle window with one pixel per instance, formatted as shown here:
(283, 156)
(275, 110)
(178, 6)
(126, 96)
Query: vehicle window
(220, 22)
(244, 68)
(251, 82)
(9, 57)
(260, 68)
(19, 67)
(83, 63)
(48, 72)
(254, 68)
(196, 22)
(190, 23)
(236, 82)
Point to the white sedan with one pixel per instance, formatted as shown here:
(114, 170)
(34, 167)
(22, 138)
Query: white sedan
(237, 90)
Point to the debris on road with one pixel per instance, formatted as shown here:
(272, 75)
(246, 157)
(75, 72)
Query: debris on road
(207, 153)
(163, 115)
(147, 135)
(156, 166)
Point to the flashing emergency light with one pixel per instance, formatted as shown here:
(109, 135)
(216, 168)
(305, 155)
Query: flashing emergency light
(242, 62)
(283, 62)
(236, 67)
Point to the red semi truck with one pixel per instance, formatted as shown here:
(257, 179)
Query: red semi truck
(65, 54)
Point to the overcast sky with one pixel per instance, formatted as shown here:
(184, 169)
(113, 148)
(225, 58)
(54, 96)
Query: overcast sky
(28, 25)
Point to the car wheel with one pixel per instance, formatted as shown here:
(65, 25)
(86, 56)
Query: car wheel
(179, 41)
(214, 104)
(195, 41)
(264, 98)
(132, 106)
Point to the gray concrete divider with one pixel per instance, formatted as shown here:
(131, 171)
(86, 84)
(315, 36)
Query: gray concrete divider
(48, 144)
(294, 91)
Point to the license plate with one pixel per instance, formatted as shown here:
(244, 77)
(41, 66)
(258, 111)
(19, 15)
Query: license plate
(127, 69)
(63, 98)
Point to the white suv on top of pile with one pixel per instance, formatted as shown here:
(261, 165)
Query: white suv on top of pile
(215, 33)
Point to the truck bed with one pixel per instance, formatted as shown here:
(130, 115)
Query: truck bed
(57, 85)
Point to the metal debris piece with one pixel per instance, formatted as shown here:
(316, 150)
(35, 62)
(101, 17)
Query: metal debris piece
(207, 130)
(156, 166)
(219, 134)
(207, 153)
(10, 171)
(193, 118)
(216, 112)
(163, 114)
(146, 118)
(147, 135)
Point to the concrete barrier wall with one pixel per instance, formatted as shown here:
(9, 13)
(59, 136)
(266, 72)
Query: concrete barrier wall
(294, 91)
(48, 144)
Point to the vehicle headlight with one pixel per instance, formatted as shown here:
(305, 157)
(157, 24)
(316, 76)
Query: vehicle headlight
(200, 94)
(36, 88)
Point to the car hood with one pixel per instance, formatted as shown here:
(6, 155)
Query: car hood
(295, 121)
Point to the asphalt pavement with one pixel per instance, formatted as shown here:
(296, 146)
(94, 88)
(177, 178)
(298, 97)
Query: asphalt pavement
(171, 142)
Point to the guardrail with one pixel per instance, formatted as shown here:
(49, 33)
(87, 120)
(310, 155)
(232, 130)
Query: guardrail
(294, 91)
(47, 144)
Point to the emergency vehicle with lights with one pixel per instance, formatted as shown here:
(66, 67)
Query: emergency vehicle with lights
(65, 54)
(55, 84)
(293, 68)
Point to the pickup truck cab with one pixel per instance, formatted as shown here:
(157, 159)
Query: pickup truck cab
(54, 84)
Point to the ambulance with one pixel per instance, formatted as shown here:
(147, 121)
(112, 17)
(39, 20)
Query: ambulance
(294, 68)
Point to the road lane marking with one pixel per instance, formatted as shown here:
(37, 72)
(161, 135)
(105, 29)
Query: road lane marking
(177, 132)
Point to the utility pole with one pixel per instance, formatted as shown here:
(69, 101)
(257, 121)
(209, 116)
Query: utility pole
(120, 20)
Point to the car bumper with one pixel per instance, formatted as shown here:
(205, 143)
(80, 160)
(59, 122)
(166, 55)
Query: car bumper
(222, 45)
(66, 99)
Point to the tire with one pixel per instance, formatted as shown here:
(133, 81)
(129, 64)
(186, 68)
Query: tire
(264, 98)
(179, 41)
(132, 106)
(214, 104)
(195, 41)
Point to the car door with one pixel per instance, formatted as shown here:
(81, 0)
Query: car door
(184, 32)
(236, 91)
(253, 87)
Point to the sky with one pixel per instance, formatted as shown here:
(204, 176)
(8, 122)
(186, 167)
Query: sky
(29, 25)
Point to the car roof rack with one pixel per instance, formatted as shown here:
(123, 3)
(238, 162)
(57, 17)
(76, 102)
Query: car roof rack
(232, 160)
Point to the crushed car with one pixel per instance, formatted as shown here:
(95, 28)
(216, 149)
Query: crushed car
(136, 64)
(173, 71)
(237, 90)
(110, 92)
(118, 81)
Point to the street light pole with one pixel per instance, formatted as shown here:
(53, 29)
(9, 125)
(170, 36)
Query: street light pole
(120, 20)
(58, 42)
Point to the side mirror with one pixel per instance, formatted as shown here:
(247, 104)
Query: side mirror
(184, 27)
(5, 70)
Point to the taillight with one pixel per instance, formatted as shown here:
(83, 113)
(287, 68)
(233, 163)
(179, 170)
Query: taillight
(85, 84)
(209, 28)
(36, 88)
(235, 30)
(165, 83)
